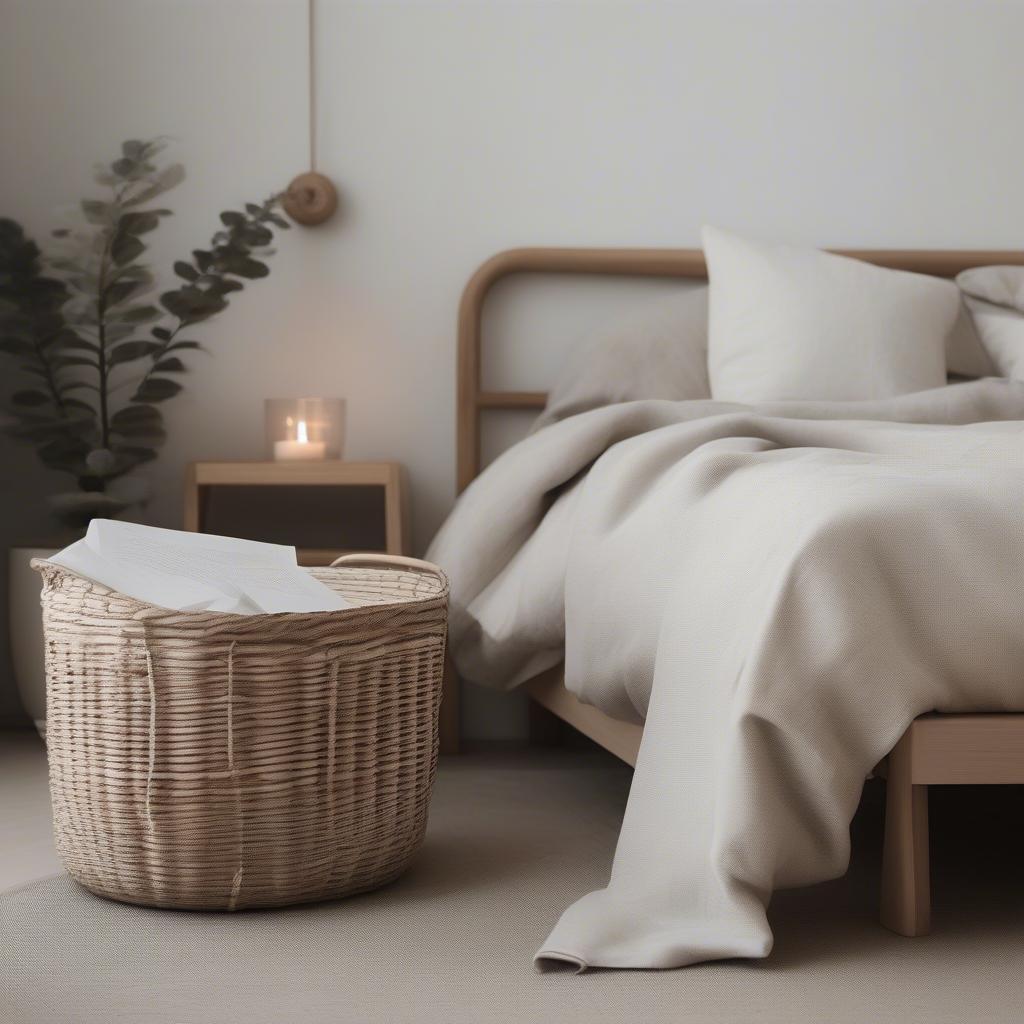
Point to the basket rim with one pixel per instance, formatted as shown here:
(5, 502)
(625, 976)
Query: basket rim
(44, 566)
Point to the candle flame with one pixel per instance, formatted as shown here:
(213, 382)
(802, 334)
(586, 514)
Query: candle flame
(301, 435)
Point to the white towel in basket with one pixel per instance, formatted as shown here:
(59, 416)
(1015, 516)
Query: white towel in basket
(195, 571)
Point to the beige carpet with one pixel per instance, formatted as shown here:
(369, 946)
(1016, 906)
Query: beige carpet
(513, 839)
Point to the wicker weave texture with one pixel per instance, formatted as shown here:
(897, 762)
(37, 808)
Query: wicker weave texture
(212, 761)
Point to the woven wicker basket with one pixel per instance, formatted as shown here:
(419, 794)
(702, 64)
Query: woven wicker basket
(212, 761)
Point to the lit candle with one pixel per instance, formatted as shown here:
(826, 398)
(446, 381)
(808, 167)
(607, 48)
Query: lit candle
(301, 447)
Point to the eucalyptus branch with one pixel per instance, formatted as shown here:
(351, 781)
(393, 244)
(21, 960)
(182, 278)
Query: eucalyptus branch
(50, 380)
(210, 276)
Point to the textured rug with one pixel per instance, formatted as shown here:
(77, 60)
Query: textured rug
(512, 841)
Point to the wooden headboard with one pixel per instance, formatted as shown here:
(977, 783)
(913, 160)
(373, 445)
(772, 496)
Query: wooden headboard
(473, 401)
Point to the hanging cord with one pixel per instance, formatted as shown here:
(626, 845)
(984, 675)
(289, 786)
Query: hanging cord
(311, 198)
(311, 22)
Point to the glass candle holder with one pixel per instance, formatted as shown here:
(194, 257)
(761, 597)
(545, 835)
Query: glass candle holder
(305, 428)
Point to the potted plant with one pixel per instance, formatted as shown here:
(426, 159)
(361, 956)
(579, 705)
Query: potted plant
(96, 351)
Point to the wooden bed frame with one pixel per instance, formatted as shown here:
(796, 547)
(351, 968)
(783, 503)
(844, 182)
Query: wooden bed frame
(935, 750)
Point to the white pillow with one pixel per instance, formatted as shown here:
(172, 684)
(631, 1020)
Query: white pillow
(661, 351)
(1001, 286)
(995, 298)
(789, 323)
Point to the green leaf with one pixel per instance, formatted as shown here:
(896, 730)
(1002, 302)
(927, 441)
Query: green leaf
(125, 167)
(63, 453)
(75, 342)
(35, 434)
(249, 268)
(62, 362)
(162, 333)
(122, 290)
(29, 398)
(203, 258)
(129, 350)
(231, 219)
(135, 272)
(175, 304)
(119, 331)
(126, 248)
(133, 149)
(38, 431)
(16, 347)
(223, 285)
(138, 421)
(156, 389)
(50, 327)
(191, 304)
(135, 416)
(75, 403)
(137, 315)
(171, 176)
(139, 223)
(279, 222)
(170, 365)
(199, 315)
(186, 270)
(96, 211)
(183, 345)
(257, 236)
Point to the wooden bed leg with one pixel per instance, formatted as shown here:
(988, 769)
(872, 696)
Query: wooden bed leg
(906, 898)
(448, 726)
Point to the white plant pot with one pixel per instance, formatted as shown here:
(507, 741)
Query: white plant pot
(26, 631)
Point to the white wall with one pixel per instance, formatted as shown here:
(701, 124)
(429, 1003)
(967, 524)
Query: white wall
(455, 130)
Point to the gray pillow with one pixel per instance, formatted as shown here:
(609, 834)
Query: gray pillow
(661, 351)
(966, 353)
(995, 298)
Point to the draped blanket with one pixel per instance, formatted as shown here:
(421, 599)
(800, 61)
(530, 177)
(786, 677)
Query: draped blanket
(776, 592)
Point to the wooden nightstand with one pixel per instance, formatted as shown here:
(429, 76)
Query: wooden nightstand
(325, 509)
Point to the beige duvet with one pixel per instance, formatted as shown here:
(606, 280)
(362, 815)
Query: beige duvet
(776, 592)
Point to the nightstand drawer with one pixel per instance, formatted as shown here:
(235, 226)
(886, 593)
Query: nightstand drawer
(324, 509)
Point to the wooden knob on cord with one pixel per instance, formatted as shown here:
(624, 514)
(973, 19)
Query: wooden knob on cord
(311, 199)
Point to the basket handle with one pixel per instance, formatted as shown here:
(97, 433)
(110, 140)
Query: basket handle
(395, 561)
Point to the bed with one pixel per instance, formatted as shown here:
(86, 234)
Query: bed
(473, 402)
(936, 749)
